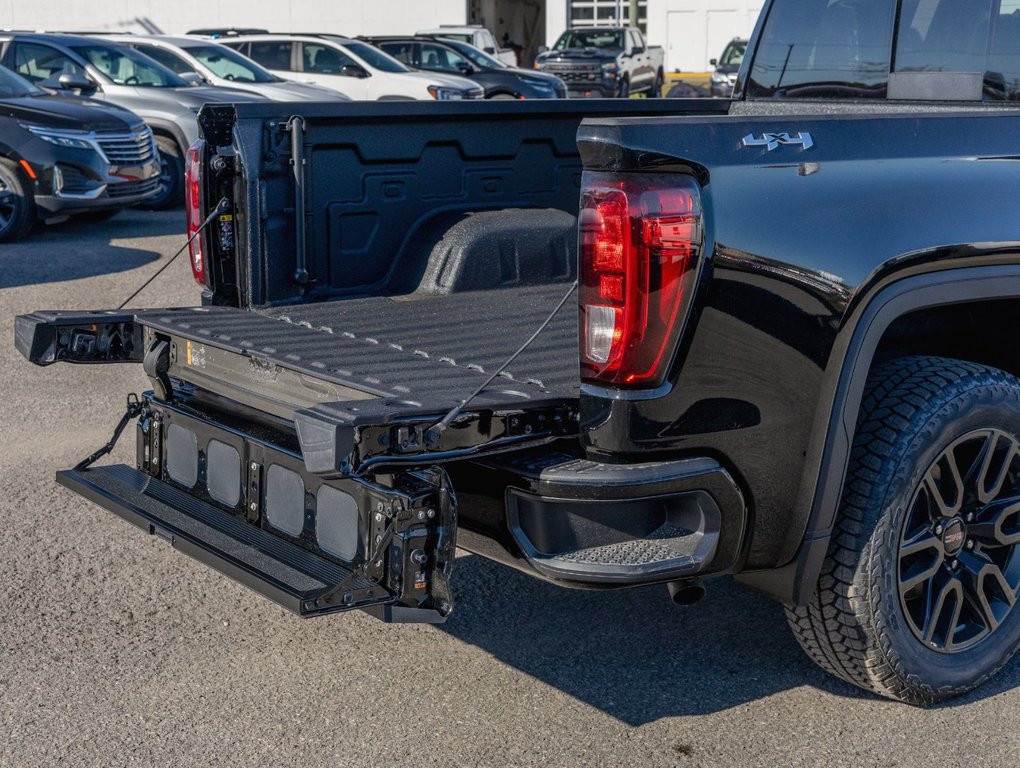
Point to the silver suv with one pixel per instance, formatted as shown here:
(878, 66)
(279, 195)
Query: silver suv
(103, 70)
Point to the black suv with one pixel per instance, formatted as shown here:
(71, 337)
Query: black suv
(438, 54)
(62, 155)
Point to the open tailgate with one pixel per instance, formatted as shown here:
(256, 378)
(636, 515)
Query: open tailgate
(301, 459)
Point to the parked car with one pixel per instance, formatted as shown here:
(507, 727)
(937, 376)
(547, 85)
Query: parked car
(786, 355)
(352, 67)
(727, 66)
(105, 71)
(62, 156)
(476, 35)
(436, 54)
(605, 62)
(219, 65)
(227, 31)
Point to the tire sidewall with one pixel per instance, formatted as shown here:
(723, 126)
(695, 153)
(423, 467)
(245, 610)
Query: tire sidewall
(978, 405)
(24, 213)
(172, 194)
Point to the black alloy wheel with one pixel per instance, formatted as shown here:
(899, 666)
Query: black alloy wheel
(17, 206)
(915, 599)
(959, 558)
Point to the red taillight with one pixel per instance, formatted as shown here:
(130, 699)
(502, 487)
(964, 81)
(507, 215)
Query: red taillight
(193, 205)
(640, 247)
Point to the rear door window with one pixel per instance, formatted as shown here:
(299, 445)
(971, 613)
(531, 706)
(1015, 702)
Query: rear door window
(439, 58)
(272, 54)
(43, 64)
(963, 50)
(324, 59)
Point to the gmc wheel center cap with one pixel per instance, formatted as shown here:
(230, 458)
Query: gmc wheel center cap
(953, 536)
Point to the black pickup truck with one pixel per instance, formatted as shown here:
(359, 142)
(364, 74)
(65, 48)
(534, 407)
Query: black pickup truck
(787, 356)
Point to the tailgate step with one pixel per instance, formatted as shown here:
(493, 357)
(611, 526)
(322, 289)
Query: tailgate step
(288, 575)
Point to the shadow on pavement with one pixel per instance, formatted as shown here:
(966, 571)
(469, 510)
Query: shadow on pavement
(633, 654)
(78, 249)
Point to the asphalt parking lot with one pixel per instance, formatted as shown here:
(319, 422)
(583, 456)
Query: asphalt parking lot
(115, 650)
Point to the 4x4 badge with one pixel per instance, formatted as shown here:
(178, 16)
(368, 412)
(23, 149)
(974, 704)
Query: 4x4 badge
(773, 140)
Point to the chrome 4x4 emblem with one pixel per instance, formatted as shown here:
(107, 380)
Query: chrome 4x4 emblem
(773, 140)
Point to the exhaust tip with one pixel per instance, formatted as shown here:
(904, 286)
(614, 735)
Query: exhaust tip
(685, 592)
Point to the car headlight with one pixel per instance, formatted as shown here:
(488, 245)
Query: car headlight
(62, 138)
(439, 93)
(720, 79)
(610, 66)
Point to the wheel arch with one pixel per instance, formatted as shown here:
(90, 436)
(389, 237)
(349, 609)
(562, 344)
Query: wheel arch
(940, 298)
(168, 130)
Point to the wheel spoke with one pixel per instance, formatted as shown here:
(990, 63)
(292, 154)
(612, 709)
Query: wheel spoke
(920, 542)
(935, 477)
(992, 465)
(918, 574)
(980, 578)
(998, 524)
(938, 605)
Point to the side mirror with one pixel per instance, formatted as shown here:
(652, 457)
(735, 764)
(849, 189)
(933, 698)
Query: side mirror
(192, 78)
(543, 49)
(636, 51)
(353, 70)
(465, 69)
(75, 81)
(713, 62)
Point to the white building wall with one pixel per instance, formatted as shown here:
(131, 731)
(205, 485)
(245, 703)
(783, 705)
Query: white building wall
(352, 17)
(696, 31)
(555, 20)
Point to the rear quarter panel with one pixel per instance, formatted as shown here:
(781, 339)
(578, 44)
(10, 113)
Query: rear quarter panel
(797, 241)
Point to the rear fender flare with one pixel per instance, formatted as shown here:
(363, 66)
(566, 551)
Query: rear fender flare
(794, 582)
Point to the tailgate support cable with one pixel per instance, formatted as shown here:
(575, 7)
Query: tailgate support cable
(436, 431)
(221, 207)
(134, 409)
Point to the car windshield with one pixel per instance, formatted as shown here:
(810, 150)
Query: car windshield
(603, 39)
(127, 67)
(475, 56)
(13, 86)
(230, 65)
(733, 55)
(375, 58)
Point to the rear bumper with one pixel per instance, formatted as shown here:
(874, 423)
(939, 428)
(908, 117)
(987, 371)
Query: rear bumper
(586, 524)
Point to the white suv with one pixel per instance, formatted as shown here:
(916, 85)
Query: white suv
(354, 68)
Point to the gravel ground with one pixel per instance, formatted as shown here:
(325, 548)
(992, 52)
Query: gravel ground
(115, 650)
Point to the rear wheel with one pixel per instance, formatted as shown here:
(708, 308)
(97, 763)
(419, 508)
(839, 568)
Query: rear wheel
(916, 600)
(660, 80)
(171, 177)
(17, 206)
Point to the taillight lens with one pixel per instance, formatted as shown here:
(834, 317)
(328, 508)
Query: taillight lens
(193, 204)
(640, 239)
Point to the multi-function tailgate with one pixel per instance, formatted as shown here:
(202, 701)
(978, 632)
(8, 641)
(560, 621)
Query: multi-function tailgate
(302, 458)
